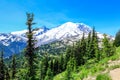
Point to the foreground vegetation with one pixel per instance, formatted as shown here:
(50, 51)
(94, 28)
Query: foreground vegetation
(98, 70)
(87, 57)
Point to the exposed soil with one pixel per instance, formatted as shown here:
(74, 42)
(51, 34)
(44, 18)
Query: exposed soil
(115, 74)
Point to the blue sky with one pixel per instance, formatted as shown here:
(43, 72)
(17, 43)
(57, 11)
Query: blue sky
(103, 14)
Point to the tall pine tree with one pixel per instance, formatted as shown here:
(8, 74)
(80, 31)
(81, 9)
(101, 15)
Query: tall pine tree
(30, 49)
(71, 67)
(88, 46)
(108, 48)
(14, 71)
(7, 75)
(49, 73)
(94, 49)
(83, 49)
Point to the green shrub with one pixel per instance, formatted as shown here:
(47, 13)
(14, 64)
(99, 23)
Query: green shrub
(103, 77)
(101, 68)
(114, 67)
(83, 74)
(94, 70)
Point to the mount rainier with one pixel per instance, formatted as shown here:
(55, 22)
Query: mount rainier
(15, 42)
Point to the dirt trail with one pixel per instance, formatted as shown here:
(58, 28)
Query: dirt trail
(115, 74)
(112, 63)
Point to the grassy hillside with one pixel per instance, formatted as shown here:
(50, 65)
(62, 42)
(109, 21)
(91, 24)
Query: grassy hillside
(94, 71)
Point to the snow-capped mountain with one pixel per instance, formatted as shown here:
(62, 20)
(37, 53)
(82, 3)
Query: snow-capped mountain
(37, 32)
(14, 42)
(64, 31)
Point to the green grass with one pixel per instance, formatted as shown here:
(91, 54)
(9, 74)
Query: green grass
(92, 68)
(114, 67)
(103, 77)
(60, 76)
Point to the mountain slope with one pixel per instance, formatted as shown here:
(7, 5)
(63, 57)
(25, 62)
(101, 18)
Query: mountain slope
(65, 31)
(15, 42)
(92, 69)
(68, 32)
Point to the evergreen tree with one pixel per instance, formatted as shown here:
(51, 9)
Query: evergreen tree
(56, 66)
(88, 46)
(51, 64)
(79, 51)
(61, 63)
(108, 48)
(7, 74)
(44, 66)
(77, 54)
(30, 49)
(117, 39)
(13, 67)
(42, 71)
(49, 74)
(94, 49)
(83, 49)
(97, 49)
(2, 66)
(71, 66)
(68, 54)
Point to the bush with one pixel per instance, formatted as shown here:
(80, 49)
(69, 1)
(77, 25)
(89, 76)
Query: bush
(83, 74)
(117, 39)
(114, 67)
(103, 77)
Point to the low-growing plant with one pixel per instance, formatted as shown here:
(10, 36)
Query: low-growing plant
(114, 67)
(103, 77)
(84, 73)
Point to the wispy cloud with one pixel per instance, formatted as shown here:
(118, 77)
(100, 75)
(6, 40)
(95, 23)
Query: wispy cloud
(53, 19)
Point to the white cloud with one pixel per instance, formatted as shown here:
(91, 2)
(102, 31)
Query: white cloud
(52, 19)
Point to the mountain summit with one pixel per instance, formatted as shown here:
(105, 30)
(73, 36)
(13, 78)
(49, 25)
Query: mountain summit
(64, 31)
